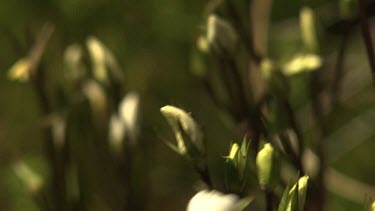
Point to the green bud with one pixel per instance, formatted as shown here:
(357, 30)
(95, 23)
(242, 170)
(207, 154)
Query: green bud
(309, 29)
(291, 197)
(182, 123)
(221, 36)
(265, 165)
(233, 152)
(348, 9)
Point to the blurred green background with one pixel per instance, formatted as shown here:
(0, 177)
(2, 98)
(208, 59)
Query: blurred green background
(152, 40)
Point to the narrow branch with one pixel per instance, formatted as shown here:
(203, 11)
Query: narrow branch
(339, 68)
(367, 36)
(269, 200)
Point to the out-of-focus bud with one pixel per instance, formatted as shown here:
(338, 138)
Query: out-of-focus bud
(97, 99)
(20, 71)
(221, 36)
(309, 29)
(182, 123)
(24, 68)
(97, 54)
(348, 9)
(213, 201)
(116, 133)
(302, 63)
(125, 124)
(29, 177)
(58, 131)
(265, 162)
(372, 206)
(202, 44)
(75, 69)
(129, 109)
(291, 197)
(197, 64)
(266, 67)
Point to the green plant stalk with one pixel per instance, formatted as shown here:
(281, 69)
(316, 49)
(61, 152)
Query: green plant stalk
(57, 159)
(367, 37)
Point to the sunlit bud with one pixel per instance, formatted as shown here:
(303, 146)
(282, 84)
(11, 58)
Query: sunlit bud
(233, 151)
(265, 165)
(309, 29)
(73, 60)
(302, 189)
(213, 201)
(348, 9)
(182, 123)
(221, 36)
(20, 71)
(97, 99)
(128, 110)
(302, 63)
(97, 54)
(29, 177)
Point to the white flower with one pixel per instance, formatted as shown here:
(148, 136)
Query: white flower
(213, 201)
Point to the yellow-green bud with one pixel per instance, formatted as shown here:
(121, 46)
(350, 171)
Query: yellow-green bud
(265, 165)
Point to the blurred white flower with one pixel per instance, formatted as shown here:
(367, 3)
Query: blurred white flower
(213, 201)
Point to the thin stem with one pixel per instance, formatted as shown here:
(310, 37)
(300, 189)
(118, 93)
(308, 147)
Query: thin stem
(339, 68)
(269, 200)
(367, 36)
